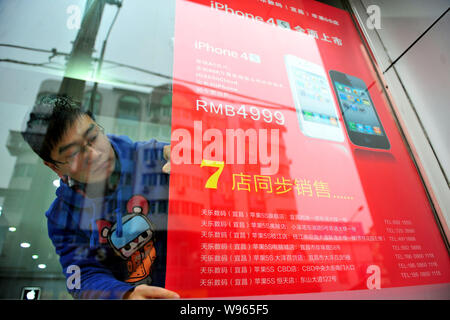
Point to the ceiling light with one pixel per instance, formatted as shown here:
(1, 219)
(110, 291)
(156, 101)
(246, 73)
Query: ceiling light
(56, 183)
(42, 266)
(35, 256)
(12, 229)
(25, 245)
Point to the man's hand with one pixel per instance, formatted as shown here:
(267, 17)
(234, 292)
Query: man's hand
(166, 167)
(143, 292)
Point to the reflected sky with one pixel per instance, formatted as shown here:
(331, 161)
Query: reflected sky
(138, 40)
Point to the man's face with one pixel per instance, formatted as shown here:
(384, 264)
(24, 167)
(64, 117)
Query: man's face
(84, 153)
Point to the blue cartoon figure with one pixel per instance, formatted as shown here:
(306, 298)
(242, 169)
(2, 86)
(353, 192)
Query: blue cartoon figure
(136, 244)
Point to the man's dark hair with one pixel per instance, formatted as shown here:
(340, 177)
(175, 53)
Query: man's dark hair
(50, 118)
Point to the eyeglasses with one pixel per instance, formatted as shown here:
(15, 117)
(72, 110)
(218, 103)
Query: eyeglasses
(79, 151)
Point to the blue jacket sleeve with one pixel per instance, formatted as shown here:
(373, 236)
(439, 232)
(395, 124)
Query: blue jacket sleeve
(86, 276)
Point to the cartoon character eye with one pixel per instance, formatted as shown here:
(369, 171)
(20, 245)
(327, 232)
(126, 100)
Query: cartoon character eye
(146, 234)
(143, 234)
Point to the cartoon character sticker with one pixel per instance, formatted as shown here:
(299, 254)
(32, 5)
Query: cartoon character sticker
(137, 242)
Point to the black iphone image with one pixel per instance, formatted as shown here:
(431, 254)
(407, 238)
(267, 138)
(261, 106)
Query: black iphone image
(361, 120)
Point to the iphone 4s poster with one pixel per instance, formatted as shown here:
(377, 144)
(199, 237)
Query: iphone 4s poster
(288, 172)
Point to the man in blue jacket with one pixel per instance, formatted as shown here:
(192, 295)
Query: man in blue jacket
(107, 222)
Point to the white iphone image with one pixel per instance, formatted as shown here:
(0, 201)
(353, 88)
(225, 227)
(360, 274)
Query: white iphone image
(316, 110)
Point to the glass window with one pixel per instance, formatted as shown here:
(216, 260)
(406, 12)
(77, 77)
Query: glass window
(129, 108)
(84, 47)
(93, 105)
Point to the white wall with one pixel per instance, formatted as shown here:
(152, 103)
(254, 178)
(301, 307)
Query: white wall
(425, 68)
(412, 50)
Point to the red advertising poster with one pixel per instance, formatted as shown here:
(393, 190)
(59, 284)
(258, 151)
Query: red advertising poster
(289, 174)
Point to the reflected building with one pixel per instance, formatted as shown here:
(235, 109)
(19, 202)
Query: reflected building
(138, 115)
